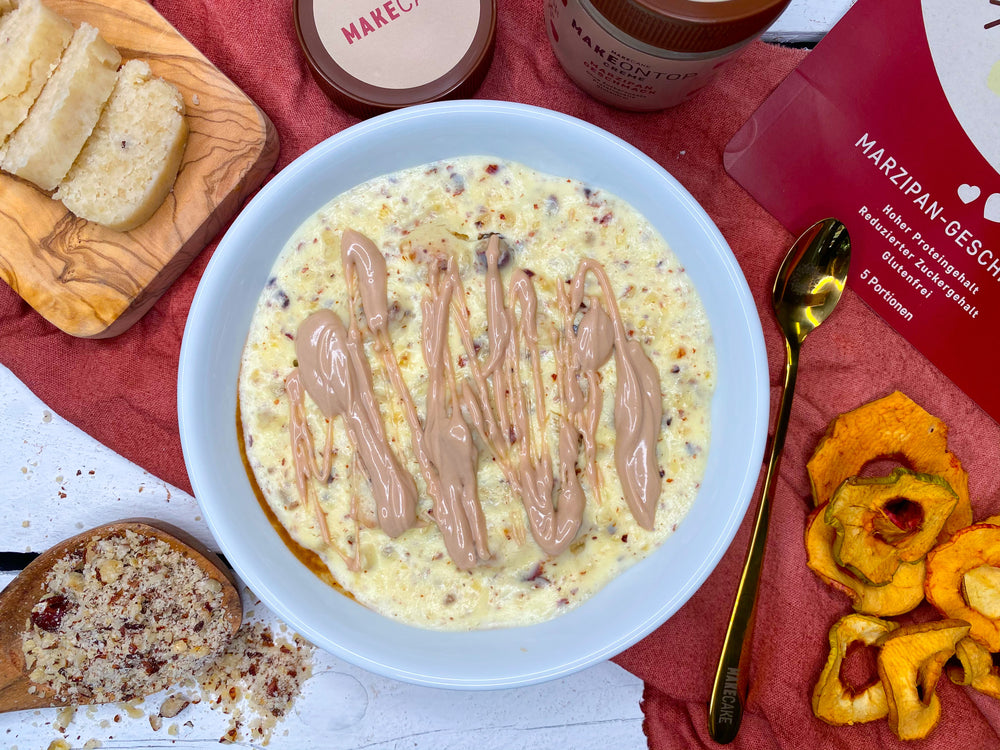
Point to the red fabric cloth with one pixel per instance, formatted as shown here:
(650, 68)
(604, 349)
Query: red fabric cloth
(123, 390)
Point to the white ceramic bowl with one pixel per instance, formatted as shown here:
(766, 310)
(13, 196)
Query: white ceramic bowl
(634, 604)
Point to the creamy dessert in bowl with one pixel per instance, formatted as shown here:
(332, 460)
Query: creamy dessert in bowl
(477, 392)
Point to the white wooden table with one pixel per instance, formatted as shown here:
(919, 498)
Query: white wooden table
(48, 466)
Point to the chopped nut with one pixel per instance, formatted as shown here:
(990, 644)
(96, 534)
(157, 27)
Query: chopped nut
(64, 718)
(133, 710)
(109, 571)
(173, 705)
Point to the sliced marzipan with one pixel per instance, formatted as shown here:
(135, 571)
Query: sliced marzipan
(46, 144)
(128, 165)
(32, 39)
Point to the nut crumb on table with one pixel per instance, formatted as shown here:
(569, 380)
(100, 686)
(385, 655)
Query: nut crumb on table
(254, 681)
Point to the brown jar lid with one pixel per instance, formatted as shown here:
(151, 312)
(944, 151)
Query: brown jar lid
(371, 57)
(691, 25)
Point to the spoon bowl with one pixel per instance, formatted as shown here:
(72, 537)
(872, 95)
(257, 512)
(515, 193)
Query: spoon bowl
(811, 278)
(807, 288)
(17, 691)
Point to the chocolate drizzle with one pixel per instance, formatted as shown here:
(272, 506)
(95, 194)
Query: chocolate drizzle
(493, 401)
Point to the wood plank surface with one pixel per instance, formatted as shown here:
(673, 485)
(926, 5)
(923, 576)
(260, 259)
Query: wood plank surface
(806, 21)
(58, 481)
(94, 282)
(343, 707)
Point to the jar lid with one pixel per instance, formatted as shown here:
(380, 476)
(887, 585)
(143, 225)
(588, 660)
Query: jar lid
(691, 25)
(370, 56)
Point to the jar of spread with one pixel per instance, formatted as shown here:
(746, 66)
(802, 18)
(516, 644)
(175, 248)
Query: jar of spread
(646, 55)
(373, 56)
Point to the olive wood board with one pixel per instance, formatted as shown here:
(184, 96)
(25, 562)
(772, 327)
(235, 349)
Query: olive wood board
(90, 281)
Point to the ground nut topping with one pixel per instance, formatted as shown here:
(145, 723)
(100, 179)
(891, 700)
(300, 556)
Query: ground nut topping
(126, 616)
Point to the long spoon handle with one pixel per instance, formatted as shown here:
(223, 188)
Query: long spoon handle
(725, 709)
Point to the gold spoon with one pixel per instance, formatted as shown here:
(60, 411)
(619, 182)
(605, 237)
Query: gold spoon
(21, 594)
(807, 288)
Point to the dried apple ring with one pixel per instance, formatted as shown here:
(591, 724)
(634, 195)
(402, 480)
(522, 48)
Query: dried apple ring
(910, 660)
(884, 521)
(903, 593)
(961, 581)
(893, 426)
(836, 703)
(977, 669)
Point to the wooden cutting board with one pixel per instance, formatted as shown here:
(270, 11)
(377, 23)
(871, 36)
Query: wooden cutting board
(94, 282)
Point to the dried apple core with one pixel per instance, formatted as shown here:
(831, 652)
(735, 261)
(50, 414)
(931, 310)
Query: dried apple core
(858, 670)
(905, 514)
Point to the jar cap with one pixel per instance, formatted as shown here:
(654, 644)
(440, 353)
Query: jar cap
(371, 57)
(691, 25)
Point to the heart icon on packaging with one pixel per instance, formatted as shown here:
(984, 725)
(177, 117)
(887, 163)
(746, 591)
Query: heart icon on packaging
(991, 211)
(968, 193)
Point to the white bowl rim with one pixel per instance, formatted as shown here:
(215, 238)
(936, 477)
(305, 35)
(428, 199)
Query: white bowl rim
(485, 659)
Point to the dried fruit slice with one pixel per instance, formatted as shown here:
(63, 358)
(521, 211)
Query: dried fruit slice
(910, 661)
(883, 521)
(977, 669)
(904, 592)
(981, 588)
(947, 565)
(839, 704)
(889, 427)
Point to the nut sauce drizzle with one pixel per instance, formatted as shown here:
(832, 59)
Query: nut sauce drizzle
(336, 376)
(638, 403)
(553, 526)
(492, 402)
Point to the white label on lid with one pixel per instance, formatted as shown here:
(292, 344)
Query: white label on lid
(397, 44)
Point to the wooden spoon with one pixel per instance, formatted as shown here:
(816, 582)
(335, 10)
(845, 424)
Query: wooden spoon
(18, 598)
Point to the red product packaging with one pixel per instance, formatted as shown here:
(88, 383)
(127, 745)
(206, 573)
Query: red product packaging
(892, 124)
